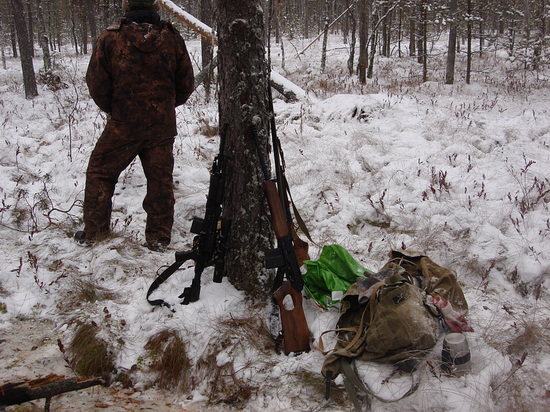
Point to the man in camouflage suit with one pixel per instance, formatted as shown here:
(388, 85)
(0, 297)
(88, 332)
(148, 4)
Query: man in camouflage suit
(138, 73)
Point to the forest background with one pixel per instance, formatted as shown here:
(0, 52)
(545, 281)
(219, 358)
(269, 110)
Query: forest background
(390, 28)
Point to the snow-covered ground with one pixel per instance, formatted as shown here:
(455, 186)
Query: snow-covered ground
(458, 172)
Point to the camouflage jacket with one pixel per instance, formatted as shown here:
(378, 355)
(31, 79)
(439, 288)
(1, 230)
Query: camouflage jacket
(139, 73)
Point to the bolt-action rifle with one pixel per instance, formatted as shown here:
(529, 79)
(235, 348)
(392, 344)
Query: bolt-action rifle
(210, 244)
(289, 278)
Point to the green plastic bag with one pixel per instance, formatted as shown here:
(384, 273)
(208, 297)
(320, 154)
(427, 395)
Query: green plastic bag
(335, 271)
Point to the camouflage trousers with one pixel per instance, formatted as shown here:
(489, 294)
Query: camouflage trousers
(111, 155)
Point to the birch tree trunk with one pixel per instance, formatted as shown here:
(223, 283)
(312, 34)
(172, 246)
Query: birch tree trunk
(44, 44)
(325, 38)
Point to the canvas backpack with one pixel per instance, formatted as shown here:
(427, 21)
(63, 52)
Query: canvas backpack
(398, 325)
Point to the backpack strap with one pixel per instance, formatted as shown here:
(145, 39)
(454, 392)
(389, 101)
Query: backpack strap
(351, 381)
(359, 329)
(374, 299)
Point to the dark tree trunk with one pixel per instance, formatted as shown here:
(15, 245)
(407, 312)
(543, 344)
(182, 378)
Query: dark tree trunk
(244, 79)
(84, 31)
(469, 53)
(363, 38)
(451, 53)
(207, 50)
(412, 37)
(399, 31)
(29, 78)
(424, 41)
(419, 32)
(306, 19)
(13, 38)
(91, 10)
(30, 27)
(75, 39)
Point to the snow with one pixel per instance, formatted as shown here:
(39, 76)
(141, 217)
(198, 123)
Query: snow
(447, 170)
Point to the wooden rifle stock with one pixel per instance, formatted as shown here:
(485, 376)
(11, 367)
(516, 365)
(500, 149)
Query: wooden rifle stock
(295, 330)
(277, 215)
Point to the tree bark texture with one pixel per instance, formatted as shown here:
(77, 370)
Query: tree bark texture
(469, 52)
(44, 43)
(51, 385)
(451, 53)
(29, 78)
(363, 37)
(244, 79)
(207, 49)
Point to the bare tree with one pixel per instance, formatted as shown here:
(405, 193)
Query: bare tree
(363, 37)
(43, 37)
(207, 49)
(451, 53)
(29, 78)
(244, 79)
(469, 34)
(325, 37)
(353, 29)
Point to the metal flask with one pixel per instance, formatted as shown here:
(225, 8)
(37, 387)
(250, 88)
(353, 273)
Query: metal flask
(455, 356)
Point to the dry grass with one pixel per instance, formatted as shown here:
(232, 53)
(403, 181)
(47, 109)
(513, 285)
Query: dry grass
(3, 292)
(170, 362)
(523, 390)
(520, 333)
(89, 354)
(88, 290)
(247, 342)
(529, 336)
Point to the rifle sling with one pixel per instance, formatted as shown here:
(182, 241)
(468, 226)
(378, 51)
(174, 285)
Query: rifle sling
(160, 280)
(299, 219)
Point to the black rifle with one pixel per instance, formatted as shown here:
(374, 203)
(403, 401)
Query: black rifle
(210, 244)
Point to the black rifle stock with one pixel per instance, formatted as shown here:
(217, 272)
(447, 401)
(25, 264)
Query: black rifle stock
(209, 246)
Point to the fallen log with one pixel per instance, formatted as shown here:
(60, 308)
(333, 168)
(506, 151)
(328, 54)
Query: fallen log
(46, 387)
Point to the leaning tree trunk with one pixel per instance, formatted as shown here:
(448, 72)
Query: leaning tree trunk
(29, 78)
(244, 79)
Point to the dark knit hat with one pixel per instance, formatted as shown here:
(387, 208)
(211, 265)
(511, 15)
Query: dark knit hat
(128, 5)
(141, 4)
